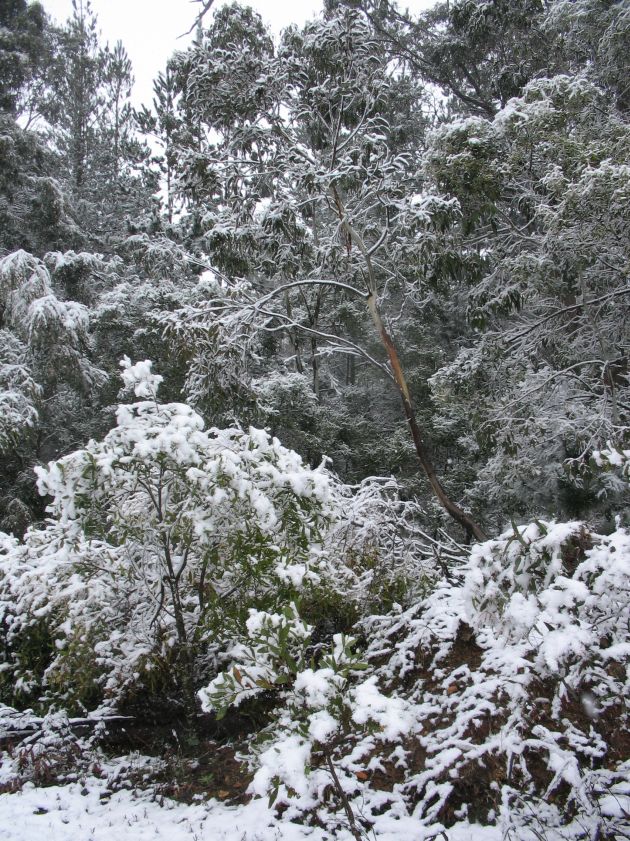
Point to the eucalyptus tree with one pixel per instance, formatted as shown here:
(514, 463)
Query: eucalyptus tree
(532, 239)
(310, 194)
(542, 232)
(479, 53)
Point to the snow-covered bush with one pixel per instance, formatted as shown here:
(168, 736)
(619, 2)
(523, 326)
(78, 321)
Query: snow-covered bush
(499, 697)
(318, 702)
(274, 653)
(562, 592)
(53, 753)
(613, 458)
(384, 544)
(161, 537)
(516, 678)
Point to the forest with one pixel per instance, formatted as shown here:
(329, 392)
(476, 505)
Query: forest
(315, 426)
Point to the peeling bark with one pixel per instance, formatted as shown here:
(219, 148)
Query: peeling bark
(458, 514)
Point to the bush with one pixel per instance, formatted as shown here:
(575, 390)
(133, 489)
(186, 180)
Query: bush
(161, 537)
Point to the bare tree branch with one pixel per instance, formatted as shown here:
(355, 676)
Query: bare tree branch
(206, 8)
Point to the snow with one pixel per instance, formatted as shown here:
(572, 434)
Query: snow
(63, 813)
(393, 715)
(284, 761)
(140, 378)
(85, 811)
(566, 625)
(545, 605)
(322, 726)
(316, 686)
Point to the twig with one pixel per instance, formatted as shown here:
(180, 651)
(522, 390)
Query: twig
(354, 829)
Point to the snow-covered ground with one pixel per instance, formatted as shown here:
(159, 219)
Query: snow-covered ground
(78, 812)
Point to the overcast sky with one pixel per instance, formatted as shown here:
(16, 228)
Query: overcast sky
(149, 29)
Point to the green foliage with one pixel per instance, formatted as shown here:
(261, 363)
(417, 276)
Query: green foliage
(163, 535)
(35, 213)
(30, 654)
(22, 42)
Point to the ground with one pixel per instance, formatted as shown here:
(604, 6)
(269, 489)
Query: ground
(85, 812)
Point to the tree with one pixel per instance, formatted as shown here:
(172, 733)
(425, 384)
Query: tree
(164, 124)
(595, 34)
(480, 53)
(92, 128)
(543, 236)
(22, 42)
(36, 213)
(117, 82)
(75, 101)
(304, 160)
(47, 377)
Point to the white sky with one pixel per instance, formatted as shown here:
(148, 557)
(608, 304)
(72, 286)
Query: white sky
(149, 29)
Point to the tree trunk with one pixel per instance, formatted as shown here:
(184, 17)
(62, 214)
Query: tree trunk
(424, 458)
(460, 516)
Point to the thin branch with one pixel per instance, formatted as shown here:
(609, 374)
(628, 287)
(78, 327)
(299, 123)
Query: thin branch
(160, 605)
(546, 382)
(330, 337)
(333, 154)
(311, 282)
(514, 337)
(354, 829)
(206, 8)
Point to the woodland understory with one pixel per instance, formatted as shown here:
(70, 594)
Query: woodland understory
(315, 427)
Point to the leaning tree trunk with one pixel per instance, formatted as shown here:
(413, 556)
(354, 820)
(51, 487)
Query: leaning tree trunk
(460, 516)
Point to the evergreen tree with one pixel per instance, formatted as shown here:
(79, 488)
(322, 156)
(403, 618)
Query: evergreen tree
(536, 253)
(22, 43)
(92, 128)
(478, 52)
(163, 123)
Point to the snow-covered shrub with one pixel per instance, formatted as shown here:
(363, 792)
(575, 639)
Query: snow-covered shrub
(161, 537)
(54, 753)
(549, 603)
(274, 653)
(499, 697)
(382, 540)
(613, 458)
(164, 535)
(515, 679)
(565, 592)
(318, 702)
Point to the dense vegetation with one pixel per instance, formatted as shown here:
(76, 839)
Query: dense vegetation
(360, 498)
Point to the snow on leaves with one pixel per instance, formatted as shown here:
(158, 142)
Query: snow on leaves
(157, 532)
(497, 691)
